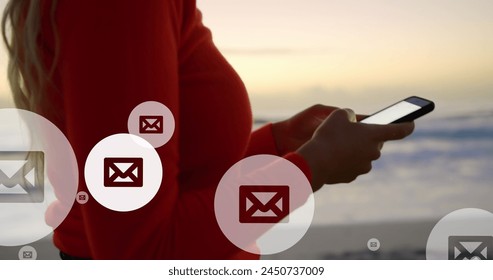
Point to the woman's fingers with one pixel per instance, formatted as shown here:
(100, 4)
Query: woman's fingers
(351, 116)
(389, 132)
(342, 149)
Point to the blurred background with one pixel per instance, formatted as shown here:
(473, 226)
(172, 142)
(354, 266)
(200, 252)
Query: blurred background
(366, 55)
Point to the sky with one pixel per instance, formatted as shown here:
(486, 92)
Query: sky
(358, 54)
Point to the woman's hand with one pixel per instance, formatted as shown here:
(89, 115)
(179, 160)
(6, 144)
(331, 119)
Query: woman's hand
(342, 149)
(292, 133)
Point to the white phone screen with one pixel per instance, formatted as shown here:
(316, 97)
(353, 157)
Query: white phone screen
(392, 113)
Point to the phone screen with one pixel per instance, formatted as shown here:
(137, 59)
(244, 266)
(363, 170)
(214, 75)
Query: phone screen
(392, 113)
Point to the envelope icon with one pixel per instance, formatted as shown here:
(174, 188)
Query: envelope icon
(470, 248)
(21, 177)
(27, 255)
(263, 204)
(123, 172)
(150, 124)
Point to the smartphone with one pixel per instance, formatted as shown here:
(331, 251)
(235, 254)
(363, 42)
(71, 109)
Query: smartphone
(406, 110)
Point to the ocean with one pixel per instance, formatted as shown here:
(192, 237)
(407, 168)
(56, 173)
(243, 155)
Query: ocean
(446, 164)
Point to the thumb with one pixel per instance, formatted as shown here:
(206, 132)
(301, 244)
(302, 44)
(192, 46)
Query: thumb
(320, 111)
(343, 115)
(391, 131)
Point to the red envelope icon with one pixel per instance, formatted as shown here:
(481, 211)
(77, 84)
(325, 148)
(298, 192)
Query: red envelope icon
(150, 124)
(123, 172)
(263, 204)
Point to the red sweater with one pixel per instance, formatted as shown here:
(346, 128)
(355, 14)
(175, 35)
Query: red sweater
(117, 54)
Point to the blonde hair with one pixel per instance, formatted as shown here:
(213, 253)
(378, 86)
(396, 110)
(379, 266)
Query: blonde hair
(27, 73)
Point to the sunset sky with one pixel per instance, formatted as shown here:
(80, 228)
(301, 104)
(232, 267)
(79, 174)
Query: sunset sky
(361, 54)
(351, 53)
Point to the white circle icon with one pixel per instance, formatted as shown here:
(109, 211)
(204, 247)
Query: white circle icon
(373, 244)
(123, 172)
(27, 253)
(152, 121)
(38, 177)
(82, 197)
(264, 200)
(465, 234)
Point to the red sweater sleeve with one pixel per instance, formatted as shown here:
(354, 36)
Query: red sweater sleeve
(262, 142)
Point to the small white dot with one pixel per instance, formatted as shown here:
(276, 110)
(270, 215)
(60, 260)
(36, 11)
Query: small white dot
(373, 244)
(82, 197)
(27, 253)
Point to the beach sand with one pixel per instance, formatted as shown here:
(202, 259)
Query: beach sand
(44, 248)
(399, 240)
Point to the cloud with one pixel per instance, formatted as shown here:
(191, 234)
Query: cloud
(274, 51)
